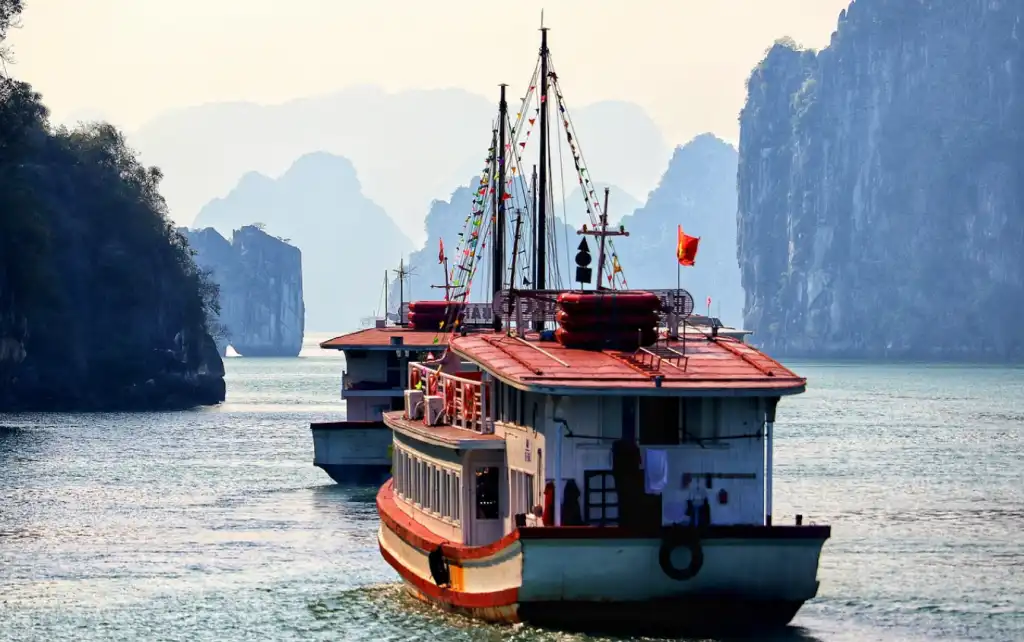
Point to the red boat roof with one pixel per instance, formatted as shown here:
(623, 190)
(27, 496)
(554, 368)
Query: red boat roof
(381, 339)
(697, 365)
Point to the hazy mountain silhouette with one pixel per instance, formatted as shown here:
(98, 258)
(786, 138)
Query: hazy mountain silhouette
(620, 203)
(410, 147)
(347, 241)
(697, 191)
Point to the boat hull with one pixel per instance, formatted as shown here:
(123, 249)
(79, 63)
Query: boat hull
(600, 579)
(357, 474)
(353, 453)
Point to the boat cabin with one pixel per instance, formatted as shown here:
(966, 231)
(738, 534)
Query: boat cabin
(547, 435)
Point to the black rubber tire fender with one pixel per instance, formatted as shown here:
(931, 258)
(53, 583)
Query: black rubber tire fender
(675, 538)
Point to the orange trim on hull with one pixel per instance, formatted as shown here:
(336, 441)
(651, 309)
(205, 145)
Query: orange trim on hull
(480, 603)
(415, 534)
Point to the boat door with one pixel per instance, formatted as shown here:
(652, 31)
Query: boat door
(487, 498)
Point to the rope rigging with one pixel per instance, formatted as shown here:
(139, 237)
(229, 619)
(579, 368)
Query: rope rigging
(519, 197)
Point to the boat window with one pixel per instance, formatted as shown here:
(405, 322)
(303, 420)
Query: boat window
(446, 491)
(436, 490)
(522, 498)
(433, 488)
(421, 483)
(487, 493)
(396, 465)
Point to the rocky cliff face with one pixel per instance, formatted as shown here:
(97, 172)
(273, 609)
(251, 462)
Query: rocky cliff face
(881, 186)
(260, 279)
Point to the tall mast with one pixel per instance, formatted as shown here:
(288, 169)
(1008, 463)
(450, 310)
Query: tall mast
(533, 218)
(540, 261)
(498, 229)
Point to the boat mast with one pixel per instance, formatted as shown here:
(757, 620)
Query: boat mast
(498, 229)
(540, 260)
(533, 215)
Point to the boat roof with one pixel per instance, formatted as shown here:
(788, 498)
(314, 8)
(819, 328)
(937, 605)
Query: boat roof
(387, 338)
(692, 365)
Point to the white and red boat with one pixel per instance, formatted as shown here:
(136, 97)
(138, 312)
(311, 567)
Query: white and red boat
(595, 460)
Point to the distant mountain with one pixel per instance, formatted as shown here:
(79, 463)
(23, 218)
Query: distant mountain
(410, 147)
(697, 191)
(620, 203)
(347, 241)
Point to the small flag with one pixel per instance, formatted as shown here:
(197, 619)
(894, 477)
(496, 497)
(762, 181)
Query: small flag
(440, 250)
(686, 248)
(709, 303)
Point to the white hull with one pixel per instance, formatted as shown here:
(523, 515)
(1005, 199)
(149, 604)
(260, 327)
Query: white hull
(545, 574)
(353, 452)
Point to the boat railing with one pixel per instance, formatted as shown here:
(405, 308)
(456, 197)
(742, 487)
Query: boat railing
(465, 398)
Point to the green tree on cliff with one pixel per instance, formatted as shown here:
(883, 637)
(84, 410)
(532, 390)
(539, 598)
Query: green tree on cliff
(98, 291)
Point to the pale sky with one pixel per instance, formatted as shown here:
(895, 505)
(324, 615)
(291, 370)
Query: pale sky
(684, 61)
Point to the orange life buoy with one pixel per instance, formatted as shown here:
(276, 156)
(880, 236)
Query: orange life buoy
(468, 401)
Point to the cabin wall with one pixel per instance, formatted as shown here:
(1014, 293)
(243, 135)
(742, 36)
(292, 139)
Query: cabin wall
(731, 450)
(366, 408)
(595, 422)
(371, 366)
(732, 453)
(524, 453)
(429, 486)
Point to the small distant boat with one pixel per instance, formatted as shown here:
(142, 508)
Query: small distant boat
(357, 451)
(595, 459)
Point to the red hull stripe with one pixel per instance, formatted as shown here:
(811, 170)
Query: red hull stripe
(708, 532)
(418, 535)
(507, 597)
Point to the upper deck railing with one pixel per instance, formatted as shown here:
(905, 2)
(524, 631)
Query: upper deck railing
(466, 399)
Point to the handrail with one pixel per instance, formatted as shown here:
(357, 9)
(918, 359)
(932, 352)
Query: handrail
(461, 400)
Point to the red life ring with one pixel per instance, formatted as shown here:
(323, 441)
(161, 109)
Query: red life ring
(449, 399)
(468, 402)
(432, 384)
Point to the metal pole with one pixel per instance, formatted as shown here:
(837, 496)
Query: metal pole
(600, 246)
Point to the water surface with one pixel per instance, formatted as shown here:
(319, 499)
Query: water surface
(214, 525)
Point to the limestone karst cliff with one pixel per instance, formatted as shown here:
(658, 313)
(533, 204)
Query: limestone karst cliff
(881, 186)
(260, 279)
(347, 240)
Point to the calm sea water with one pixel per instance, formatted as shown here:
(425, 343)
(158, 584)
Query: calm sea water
(214, 525)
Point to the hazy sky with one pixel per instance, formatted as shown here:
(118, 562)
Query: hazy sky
(684, 61)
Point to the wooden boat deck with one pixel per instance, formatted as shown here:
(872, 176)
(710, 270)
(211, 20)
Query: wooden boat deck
(446, 436)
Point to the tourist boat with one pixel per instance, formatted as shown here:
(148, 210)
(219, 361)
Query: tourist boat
(590, 471)
(357, 451)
